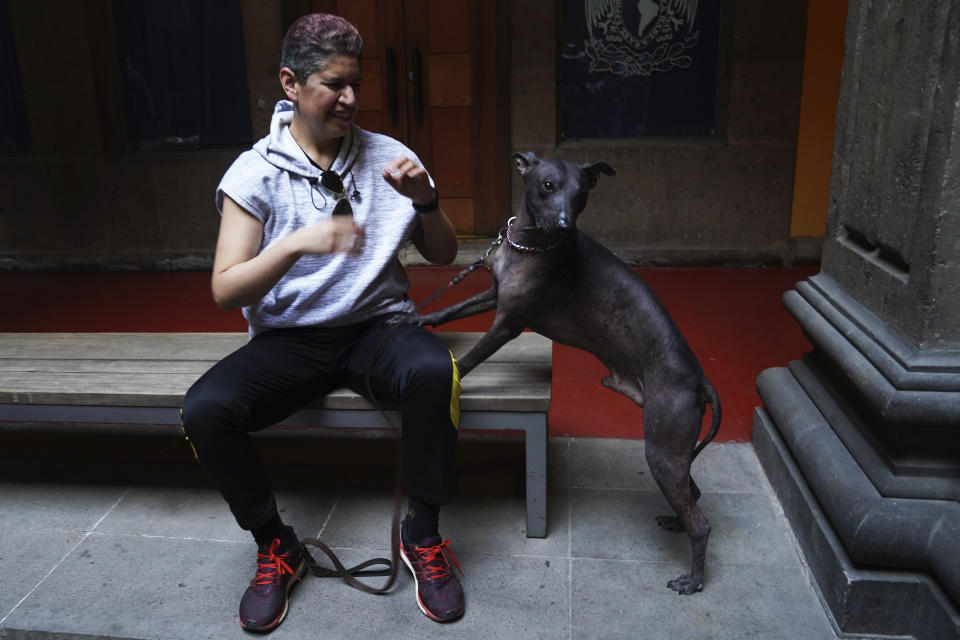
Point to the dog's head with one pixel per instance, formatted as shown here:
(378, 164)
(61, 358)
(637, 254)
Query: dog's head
(555, 191)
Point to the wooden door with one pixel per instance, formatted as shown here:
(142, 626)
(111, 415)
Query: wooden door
(430, 80)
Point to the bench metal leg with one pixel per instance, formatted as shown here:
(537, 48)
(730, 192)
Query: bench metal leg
(536, 452)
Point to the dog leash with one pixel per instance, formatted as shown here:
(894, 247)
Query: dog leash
(473, 266)
(389, 565)
(351, 575)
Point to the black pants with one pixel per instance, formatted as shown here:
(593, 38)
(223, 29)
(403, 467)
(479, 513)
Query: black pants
(281, 370)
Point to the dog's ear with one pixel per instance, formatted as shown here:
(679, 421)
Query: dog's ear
(525, 160)
(594, 169)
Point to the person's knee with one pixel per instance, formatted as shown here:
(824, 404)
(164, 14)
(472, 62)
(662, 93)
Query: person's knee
(438, 392)
(205, 409)
(436, 369)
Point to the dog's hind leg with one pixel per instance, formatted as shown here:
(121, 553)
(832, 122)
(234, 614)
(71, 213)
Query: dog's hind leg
(628, 385)
(671, 427)
(673, 523)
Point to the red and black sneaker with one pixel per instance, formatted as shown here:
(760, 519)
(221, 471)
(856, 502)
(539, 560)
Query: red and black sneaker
(439, 594)
(265, 602)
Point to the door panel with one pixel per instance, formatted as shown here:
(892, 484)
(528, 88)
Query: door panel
(453, 166)
(460, 211)
(450, 84)
(449, 26)
(363, 15)
(371, 91)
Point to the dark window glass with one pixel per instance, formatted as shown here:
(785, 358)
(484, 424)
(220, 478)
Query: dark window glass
(184, 73)
(632, 68)
(14, 130)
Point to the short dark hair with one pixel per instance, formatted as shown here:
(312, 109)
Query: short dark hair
(315, 38)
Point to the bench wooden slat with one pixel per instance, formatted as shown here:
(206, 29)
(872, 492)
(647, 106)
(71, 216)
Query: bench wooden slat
(489, 387)
(206, 347)
(114, 346)
(10, 367)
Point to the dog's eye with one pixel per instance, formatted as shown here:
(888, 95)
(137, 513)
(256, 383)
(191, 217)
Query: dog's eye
(548, 186)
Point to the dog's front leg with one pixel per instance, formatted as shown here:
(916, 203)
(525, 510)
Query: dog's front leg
(483, 301)
(499, 334)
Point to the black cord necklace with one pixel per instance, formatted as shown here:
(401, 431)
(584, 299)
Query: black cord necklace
(355, 196)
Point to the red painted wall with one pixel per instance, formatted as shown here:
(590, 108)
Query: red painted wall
(732, 319)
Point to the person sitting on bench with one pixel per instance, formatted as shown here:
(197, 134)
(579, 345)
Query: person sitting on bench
(311, 221)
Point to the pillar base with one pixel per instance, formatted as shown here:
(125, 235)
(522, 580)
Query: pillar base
(861, 440)
(860, 600)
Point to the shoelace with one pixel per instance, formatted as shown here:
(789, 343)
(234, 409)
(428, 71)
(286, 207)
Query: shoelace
(271, 566)
(434, 560)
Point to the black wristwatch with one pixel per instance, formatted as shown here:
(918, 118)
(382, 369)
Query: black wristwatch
(433, 205)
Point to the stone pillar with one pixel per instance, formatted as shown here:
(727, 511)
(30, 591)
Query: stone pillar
(861, 437)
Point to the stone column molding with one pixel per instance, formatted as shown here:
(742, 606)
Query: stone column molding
(861, 437)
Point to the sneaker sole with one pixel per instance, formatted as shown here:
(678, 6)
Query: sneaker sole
(416, 584)
(300, 571)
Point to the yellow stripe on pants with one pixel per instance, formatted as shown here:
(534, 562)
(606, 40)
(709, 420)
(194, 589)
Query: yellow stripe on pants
(455, 395)
(187, 438)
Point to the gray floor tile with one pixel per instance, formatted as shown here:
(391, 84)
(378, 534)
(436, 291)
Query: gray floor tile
(304, 509)
(747, 529)
(358, 520)
(618, 524)
(729, 467)
(176, 512)
(603, 463)
(494, 525)
(26, 557)
(39, 505)
(201, 512)
(738, 602)
(137, 587)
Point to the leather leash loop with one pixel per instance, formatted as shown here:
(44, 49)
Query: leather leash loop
(349, 575)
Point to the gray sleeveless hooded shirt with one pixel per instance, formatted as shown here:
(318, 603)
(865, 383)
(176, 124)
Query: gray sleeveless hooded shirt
(276, 183)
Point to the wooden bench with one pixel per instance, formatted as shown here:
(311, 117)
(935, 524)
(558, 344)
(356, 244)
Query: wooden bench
(141, 378)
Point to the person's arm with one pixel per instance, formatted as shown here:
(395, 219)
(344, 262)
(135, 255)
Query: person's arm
(241, 276)
(435, 237)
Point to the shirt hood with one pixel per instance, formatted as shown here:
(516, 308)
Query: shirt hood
(281, 150)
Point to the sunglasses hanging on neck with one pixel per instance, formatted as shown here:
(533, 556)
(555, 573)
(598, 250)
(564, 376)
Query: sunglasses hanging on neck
(331, 181)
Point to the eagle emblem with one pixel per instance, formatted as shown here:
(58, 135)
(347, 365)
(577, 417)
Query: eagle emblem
(638, 39)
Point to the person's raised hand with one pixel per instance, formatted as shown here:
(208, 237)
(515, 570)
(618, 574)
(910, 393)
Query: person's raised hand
(409, 179)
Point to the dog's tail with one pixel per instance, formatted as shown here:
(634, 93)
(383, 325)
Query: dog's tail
(711, 398)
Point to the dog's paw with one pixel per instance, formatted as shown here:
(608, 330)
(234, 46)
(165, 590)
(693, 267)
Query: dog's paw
(425, 320)
(686, 585)
(403, 319)
(671, 523)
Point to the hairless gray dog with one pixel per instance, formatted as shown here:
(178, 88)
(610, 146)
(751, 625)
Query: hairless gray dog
(564, 285)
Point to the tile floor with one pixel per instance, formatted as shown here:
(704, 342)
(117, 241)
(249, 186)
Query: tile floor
(144, 548)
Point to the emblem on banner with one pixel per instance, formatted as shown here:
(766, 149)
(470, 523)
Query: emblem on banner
(655, 37)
